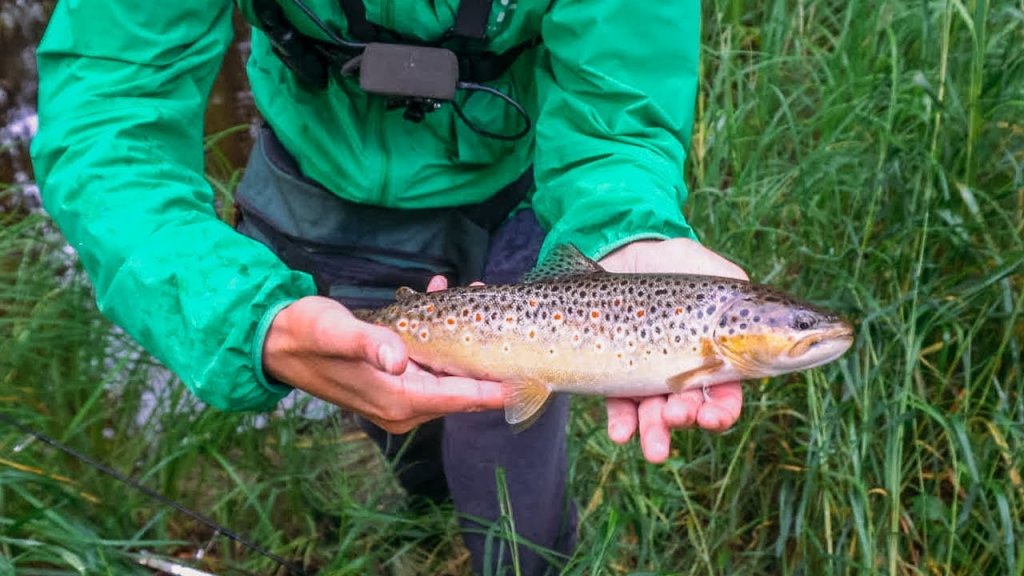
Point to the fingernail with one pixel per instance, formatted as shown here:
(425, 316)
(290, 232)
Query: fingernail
(388, 358)
(618, 432)
(659, 449)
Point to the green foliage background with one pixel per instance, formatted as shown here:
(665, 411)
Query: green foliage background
(867, 155)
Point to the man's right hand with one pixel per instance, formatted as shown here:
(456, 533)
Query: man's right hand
(318, 346)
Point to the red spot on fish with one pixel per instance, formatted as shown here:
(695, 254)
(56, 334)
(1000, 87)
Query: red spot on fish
(533, 334)
(595, 314)
(679, 311)
(533, 303)
(430, 308)
(450, 321)
(640, 313)
(403, 324)
(479, 317)
(618, 302)
(557, 316)
(510, 319)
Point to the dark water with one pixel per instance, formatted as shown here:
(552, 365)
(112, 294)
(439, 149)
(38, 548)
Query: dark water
(22, 23)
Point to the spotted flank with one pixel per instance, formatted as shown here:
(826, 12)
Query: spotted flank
(573, 327)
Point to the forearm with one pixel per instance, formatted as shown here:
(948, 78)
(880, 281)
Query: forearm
(119, 159)
(615, 121)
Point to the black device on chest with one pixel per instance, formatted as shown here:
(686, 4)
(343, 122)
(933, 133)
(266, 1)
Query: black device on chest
(412, 75)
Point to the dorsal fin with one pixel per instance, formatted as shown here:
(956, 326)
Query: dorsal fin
(564, 260)
(404, 293)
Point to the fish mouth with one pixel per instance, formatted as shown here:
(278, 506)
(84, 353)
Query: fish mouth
(821, 347)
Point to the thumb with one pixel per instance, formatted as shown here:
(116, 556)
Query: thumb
(376, 345)
(390, 353)
(340, 333)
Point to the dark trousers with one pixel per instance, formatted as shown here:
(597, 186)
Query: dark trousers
(460, 455)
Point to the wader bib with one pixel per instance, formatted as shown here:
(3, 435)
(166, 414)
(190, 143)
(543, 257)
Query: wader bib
(359, 255)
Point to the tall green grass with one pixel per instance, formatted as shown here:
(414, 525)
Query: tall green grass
(867, 155)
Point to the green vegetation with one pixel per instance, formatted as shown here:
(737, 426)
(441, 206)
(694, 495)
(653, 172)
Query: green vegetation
(868, 155)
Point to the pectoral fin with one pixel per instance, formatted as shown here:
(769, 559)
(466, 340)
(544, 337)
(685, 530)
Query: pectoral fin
(699, 376)
(525, 402)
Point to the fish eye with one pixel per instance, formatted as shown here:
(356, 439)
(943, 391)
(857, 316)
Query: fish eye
(803, 322)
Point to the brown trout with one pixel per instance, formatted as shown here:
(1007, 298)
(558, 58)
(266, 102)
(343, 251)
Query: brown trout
(573, 327)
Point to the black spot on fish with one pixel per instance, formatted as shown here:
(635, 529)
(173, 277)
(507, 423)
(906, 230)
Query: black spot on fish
(711, 309)
(692, 285)
(744, 313)
(678, 339)
(743, 326)
(657, 329)
(660, 292)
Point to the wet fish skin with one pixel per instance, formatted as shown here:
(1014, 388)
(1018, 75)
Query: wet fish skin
(574, 327)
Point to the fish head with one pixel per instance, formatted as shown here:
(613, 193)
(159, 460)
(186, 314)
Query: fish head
(765, 333)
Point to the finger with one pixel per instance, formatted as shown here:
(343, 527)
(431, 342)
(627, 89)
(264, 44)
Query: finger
(437, 283)
(654, 434)
(429, 394)
(681, 409)
(403, 426)
(622, 419)
(723, 408)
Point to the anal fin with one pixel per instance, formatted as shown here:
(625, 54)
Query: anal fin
(525, 402)
(699, 376)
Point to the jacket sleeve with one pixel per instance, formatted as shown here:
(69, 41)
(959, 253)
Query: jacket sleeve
(119, 159)
(617, 87)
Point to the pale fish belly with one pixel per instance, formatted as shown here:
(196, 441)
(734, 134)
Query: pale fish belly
(602, 367)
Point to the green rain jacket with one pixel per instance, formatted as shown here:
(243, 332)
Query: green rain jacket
(119, 153)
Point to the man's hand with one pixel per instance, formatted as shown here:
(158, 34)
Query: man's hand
(318, 346)
(657, 415)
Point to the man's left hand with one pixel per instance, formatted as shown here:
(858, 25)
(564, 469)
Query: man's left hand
(656, 416)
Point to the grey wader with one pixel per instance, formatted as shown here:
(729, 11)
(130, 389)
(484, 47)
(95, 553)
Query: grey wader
(359, 255)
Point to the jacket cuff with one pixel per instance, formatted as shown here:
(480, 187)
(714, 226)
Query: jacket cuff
(596, 229)
(276, 389)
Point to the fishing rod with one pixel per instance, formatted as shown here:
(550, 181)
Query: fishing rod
(209, 523)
